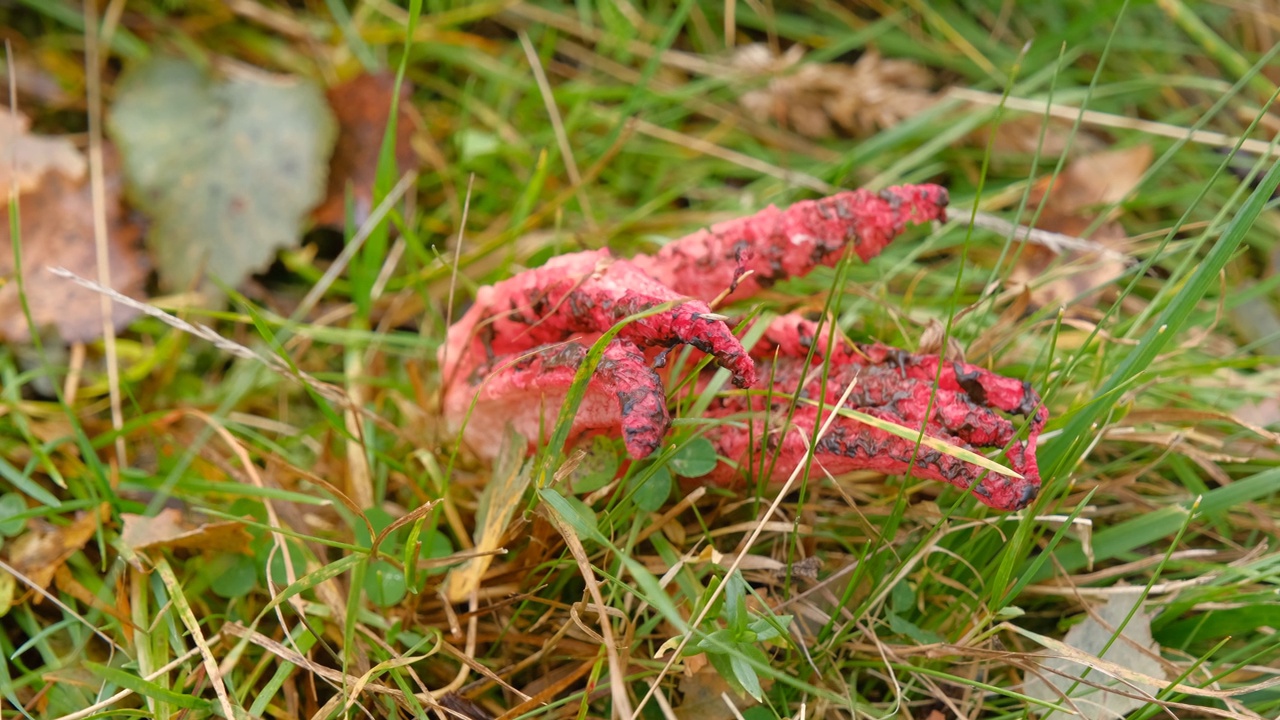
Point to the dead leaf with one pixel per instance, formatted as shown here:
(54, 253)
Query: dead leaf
(45, 77)
(228, 168)
(1264, 412)
(461, 707)
(26, 159)
(931, 342)
(66, 582)
(1134, 649)
(1071, 206)
(1026, 135)
(362, 106)
(819, 100)
(44, 547)
(56, 228)
(704, 694)
(498, 502)
(170, 529)
(1101, 178)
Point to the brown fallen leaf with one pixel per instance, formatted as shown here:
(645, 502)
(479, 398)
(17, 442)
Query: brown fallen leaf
(931, 342)
(820, 100)
(66, 582)
(704, 697)
(170, 529)
(56, 229)
(363, 106)
(44, 547)
(25, 159)
(1101, 178)
(1026, 135)
(1071, 206)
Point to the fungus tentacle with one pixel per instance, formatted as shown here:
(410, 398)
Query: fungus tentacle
(513, 355)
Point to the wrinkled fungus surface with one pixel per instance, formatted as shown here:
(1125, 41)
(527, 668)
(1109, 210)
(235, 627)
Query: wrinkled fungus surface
(512, 357)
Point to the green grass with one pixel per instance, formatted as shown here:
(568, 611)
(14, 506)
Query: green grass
(871, 598)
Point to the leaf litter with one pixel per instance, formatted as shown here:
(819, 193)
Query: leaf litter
(56, 227)
(228, 168)
(1071, 205)
(821, 100)
(171, 529)
(25, 159)
(43, 547)
(1103, 634)
(362, 107)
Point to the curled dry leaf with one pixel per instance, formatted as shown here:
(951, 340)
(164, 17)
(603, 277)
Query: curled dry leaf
(822, 99)
(170, 529)
(1071, 206)
(56, 229)
(362, 106)
(931, 342)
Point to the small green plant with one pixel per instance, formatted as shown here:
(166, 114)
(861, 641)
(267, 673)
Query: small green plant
(735, 649)
(651, 487)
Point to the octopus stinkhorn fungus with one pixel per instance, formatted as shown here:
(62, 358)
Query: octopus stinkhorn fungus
(512, 357)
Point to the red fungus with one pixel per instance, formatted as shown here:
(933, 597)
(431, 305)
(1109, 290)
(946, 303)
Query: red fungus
(512, 357)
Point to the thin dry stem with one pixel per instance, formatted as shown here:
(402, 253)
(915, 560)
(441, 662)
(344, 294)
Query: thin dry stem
(179, 602)
(325, 390)
(1056, 242)
(1093, 117)
(97, 184)
(359, 473)
(711, 149)
(617, 670)
(159, 672)
(61, 605)
(273, 518)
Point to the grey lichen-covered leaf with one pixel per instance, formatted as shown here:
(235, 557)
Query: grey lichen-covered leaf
(227, 168)
(1134, 650)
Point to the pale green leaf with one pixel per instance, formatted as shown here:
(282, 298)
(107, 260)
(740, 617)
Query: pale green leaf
(227, 168)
